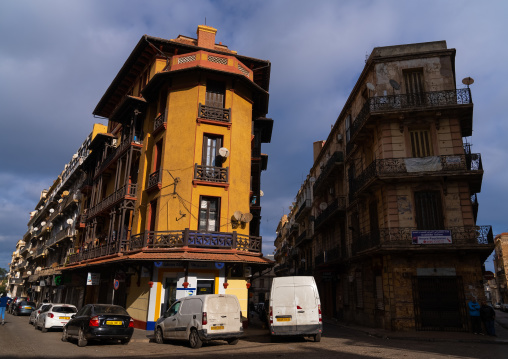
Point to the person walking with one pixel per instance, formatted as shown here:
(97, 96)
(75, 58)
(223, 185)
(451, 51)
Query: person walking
(488, 316)
(4, 300)
(474, 313)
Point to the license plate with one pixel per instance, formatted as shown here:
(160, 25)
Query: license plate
(64, 318)
(217, 327)
(28, 307)
(114, 322)
(283, 319)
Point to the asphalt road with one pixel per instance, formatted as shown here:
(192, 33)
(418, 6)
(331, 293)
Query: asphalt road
(18, 339)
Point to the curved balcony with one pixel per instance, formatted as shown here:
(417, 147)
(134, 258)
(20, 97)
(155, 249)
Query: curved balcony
(402, 237)
(335, 159)
(466, 165)
(410, 102)
(195, 239)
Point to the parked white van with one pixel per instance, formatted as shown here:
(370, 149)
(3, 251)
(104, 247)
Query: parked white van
(201, 318)
(295, 308)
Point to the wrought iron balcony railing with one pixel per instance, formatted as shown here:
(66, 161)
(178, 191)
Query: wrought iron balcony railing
(336, 158)
(188, 238)
(116, 152)
(159, 122)
(338, 204)
(211, 173)
(305, 206)
(417, 166)
(402, 236)
(155, 179)
(406, 102)
(214, 113)
(120, 194)
(302, 238)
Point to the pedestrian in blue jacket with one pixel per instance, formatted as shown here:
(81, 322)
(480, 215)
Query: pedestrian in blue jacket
(4, 300)
(474, 313)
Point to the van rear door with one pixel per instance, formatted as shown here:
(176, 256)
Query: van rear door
(307, 311)
(284, 308)
(223, 314)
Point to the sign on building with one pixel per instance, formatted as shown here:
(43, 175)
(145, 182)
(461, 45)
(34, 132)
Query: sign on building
(432, 237)
(93, 279)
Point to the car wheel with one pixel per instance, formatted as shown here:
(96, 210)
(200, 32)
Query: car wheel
(43, 328)
(125, 341)
(65, 336)
(29, 320)
(159, 338)
(194, 340)
(35, 326)
(81, 338)
(317, 337)
(233, 341)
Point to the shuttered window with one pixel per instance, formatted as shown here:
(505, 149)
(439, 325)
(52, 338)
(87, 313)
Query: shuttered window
(215, 91)
(420, 143)
(414, 81)
(428, 210)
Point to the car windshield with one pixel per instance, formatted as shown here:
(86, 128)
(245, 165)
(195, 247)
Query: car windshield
(24, 302)
(64, 310)
(109, 309)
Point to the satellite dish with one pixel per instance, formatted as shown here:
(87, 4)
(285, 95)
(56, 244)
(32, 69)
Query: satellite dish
(238, 215)
(323, 205)
(261, 193)
(312, 179)
(224, 152)
(70, 221)
(247, 217)
(370, 86)
(395, 84)
(43, 223)
(468, 81)
(51, 210)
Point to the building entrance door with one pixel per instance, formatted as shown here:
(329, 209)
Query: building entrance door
(439, 303)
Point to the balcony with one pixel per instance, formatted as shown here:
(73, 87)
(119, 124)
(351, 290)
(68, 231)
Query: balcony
(222, 115)
(401, 237)
(155, 180)
(467, 165)
(94, 252)
(159, 124)
(338, 204)
(302, 238)
(127, 192)
(304, 207)
(410, 102)
(335, 159)
(210, 175)
(131, 140)
(194, 239)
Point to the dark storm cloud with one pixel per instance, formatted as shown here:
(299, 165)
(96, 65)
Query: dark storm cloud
(60, 56)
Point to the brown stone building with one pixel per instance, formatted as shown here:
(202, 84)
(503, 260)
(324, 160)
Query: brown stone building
(500, 265)
(386, 220)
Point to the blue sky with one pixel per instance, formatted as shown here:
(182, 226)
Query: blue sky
(58, 57)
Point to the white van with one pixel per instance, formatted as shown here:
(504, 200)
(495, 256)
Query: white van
(295, 308)
(201, 318)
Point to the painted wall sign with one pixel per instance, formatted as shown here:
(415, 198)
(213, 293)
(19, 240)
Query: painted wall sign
(93, 279)
(432, 237)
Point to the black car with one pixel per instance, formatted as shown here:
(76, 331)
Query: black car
(99, 322)
(23, 307)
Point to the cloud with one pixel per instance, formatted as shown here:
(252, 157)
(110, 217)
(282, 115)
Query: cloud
(58, 61)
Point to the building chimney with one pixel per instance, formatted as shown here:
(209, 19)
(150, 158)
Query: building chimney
(317, 146)
(206, 36)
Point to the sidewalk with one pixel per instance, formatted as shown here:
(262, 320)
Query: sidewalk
(433, 336)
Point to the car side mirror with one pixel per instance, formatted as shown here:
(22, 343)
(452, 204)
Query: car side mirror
(72, 316)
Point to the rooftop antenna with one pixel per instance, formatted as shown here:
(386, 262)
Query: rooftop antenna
(468, 81)
(205, 20)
